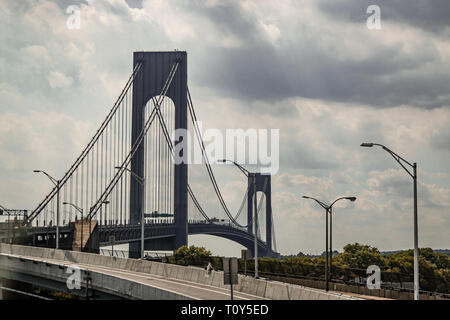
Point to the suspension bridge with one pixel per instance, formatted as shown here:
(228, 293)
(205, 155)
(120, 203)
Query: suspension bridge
(127, 170)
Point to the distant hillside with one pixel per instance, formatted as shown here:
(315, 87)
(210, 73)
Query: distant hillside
(444, 251)
(384, 253)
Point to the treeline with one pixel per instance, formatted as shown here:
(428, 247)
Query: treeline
(434, 267)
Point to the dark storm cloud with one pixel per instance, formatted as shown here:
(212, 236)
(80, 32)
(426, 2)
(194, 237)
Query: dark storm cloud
(296, 153)
(65, 3)
(134, 3)
(228, 16)
(299, 66)
(264, 73)
(441, 140)
(431, 15)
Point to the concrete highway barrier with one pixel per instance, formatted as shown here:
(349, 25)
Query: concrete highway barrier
(258, 287)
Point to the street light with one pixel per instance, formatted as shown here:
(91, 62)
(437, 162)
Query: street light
(80, 210)
(328, 209)
(141, 181)
(255, 213)
(56, 183)
(90, 217)
(352, 199)
(413, 175)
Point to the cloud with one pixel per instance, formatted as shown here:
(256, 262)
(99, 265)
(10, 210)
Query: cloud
(47, 141)
(134, 3)
(393, 183)
(326, 62)
(59, 80)
(432, 17)
(314, 71)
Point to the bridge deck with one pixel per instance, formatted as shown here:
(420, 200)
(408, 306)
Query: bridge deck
(140, 279)
(185, 288)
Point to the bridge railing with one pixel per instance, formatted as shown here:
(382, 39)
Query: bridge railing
(222, 222)
(150, 255)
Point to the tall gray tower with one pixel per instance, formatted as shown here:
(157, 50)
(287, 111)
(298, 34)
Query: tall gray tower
(263, 184)
(147, 84)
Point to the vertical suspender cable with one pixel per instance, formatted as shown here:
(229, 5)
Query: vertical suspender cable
(92, 175)
(105, 218)
(135, 147)
(127, 133)
(87, 182)
(101, 171)
(166, 169)
(70, 198)
(116, 156)
(121, 153)
(97, 181)
(111, 168)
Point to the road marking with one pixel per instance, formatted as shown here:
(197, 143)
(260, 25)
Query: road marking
(64, 263)
(104, 269)
(157, 278)
(187, 283)
(170, 280)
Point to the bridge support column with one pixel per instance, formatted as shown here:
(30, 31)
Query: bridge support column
(263, 184)
(268, 194)
(147, 84)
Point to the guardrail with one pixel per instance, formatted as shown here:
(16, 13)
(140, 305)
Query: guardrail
(126, 253)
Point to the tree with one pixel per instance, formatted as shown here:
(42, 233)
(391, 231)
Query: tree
(360, 256)
(433, 268)
(191, 255)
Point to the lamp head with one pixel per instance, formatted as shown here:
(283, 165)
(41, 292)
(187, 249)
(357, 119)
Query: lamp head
(367, 144)
(306, 197)
(65, 202)
(118, 167)
(36, 171)
(352, 199)
(222, 160)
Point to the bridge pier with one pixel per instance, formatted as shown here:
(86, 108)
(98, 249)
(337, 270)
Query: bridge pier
(148, 83)
(263, 184)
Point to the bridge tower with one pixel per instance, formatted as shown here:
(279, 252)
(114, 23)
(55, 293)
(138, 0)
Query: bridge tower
(147, 84)
(263, 184)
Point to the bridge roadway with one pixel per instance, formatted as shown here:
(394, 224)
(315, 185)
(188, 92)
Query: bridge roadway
(179, 287)
(138, 279)
(129, 233)
(132, 233)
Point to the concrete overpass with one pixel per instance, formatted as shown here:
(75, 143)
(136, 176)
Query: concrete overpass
(115, 278)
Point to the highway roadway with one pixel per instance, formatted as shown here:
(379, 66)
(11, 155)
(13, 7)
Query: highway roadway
(188, 289)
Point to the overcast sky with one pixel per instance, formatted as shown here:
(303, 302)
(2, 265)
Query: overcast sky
(313, 69)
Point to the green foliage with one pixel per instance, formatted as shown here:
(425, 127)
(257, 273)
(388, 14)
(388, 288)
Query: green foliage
(191, 252)
(359, 256)
(397, 267)
(190, 255)
(434, 268)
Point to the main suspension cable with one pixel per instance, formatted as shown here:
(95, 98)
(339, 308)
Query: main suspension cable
(207, 163)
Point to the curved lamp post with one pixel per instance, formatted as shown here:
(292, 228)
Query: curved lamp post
(56, 183)
(413, 175)
(255, 213)
(328, 209)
